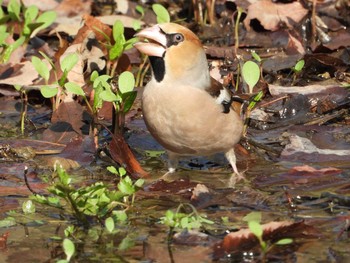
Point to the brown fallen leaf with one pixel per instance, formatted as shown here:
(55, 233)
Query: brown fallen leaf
(122, 154)
(244, 239)
(273, 15)
(308, 170)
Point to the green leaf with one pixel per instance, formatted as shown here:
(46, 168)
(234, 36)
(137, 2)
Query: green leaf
(112, 169)
(253, 216)
(256, 229)
(49, 91)
(17, 87)
(31, 13)
(74, 88)
(140, 9)
(284, 241)
(126, 243)
(161, 13)
(121, 215)
(28, 207)
(136, 25)
(126, 82)
(41, 68)
(47, 18)
(68, 248)
(109, 224)
(7, 222)
(299, 65)
(93, 76)
(128, 99)
(12, 47)
(69, 61)
(116, 51)
(118, 30)
(256, 56)
(125, 186)
(14, 8)
(109, 96)
(139, 183)
(251, 74)
(130, 43)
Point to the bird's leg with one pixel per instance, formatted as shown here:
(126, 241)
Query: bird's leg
(231, 157)
(173, 162)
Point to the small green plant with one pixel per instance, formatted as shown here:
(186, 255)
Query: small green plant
(251, 74)
(297, 69)
(120, 93)
(178, 220)
(256, 228)
(299, 66)
(56, 88)
(95, 201)
(25, 20)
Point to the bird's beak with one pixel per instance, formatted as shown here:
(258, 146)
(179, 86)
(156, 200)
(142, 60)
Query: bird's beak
(156, 41)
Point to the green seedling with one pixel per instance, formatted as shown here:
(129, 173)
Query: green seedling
(181, 221)
(297, 69)
(116, 46)
(251, 74)
(299, 66)
(161, 13)
(256, 228)
(26, 20)
(121, 94)
(56, 87)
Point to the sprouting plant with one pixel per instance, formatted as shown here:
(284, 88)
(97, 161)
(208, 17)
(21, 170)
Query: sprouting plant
(256, 228)
(299, 66)
(179, 220)
(251, 74)
(26, 21)
(120, 93)
(95, 201)
(297, 69)
(56, 87)
(116, 46)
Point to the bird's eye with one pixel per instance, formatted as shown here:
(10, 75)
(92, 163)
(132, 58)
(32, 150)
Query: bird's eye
(178, 38)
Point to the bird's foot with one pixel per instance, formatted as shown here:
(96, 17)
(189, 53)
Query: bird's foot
(167, 176)
(235, 178)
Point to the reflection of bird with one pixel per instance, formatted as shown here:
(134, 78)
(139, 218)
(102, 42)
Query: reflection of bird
(185, 110)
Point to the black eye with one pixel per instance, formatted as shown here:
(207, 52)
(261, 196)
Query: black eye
(178, 38)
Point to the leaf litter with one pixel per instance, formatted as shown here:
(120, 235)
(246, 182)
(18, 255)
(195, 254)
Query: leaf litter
(295, 152)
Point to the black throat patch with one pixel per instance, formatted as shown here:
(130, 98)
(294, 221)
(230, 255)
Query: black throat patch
(158, 67)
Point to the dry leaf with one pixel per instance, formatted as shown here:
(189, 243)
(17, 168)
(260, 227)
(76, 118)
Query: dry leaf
(273, 15)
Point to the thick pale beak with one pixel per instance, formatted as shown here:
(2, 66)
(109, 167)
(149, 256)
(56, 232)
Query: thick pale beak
(156, 41)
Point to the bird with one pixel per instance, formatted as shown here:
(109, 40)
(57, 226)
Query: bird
(185, 110)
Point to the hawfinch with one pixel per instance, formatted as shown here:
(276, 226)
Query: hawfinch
(185, 110)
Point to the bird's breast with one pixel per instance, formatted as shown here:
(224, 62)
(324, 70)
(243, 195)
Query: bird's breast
(188, 121)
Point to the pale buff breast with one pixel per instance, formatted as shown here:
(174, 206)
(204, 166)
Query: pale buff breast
(188, 121)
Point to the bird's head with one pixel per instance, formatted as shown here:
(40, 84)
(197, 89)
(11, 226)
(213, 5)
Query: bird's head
(176, 54)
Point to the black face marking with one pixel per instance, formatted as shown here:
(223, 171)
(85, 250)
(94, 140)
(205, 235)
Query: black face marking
(158, 67)
(174, 39)
(227, 106)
